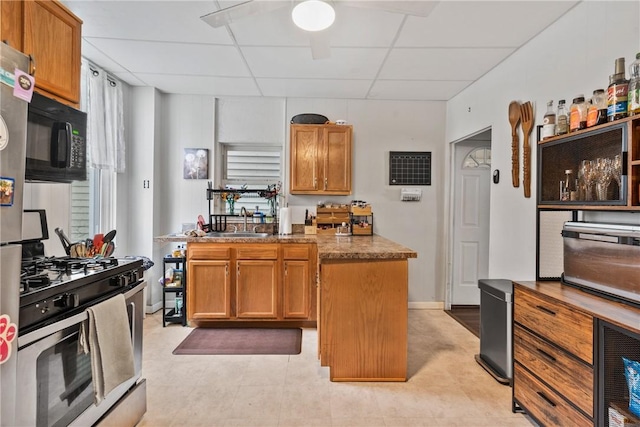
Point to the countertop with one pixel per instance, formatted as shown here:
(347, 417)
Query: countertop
(329, 247)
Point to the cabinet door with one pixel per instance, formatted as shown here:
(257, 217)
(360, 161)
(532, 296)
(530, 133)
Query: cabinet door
(305, 140)
(52, 37)
(296, 290)
(256, 289)
(209, 290)
(336, 160)
(11, 28)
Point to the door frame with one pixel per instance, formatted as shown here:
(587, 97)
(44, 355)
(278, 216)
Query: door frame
(451, 190)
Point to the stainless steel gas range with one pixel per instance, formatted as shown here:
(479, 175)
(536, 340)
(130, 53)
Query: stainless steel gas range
(54, 288)
(55, 379)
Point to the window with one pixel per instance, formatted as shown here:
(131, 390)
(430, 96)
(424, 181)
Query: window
(251, 165)
(478, 158)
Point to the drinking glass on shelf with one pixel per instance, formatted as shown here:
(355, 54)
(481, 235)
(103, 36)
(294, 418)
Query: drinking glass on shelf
(617, 174)
(604, 175)
(587, 175)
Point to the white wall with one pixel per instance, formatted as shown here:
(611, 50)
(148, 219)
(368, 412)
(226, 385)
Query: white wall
(574, 55)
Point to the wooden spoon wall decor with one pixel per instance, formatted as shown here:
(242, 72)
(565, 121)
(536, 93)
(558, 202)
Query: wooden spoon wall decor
(514, 119)
(526, 113)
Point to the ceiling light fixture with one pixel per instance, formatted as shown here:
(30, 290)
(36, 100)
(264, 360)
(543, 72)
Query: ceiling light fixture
(313, 15)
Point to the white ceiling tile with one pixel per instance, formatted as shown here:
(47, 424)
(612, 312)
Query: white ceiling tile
(173, 58)
(416, 8)
(201, 85)
(296, 62)
(441, 64)
(96, 56)
(315, 88)
(352, 27)
(428, 90)
(481, 23)
(149, 20)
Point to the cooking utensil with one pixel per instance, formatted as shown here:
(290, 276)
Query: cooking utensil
(108, 237)
(526, 113)
(514, 119)
(66, 243)
(109, 250)
(97, 243)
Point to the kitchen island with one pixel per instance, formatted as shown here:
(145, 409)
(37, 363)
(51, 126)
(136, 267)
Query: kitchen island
(362, 295)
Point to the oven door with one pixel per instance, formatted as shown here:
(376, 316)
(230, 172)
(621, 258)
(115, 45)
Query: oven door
(56, 385)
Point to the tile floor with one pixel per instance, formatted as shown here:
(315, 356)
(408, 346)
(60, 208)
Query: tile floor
(446, 387)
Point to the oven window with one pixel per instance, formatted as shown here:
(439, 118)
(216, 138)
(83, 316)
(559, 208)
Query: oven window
(65, 388)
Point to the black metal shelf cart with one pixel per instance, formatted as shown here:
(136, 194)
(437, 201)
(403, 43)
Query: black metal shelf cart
(177, 313)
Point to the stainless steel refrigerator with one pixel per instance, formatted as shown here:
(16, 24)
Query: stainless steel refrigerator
(13, 130)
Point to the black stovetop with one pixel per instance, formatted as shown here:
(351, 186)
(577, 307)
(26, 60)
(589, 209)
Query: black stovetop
(51, 287)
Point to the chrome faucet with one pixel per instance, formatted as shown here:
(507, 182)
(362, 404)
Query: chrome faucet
(243, 212)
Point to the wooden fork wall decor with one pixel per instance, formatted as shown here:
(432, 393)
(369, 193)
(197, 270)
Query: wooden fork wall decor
(526, 115)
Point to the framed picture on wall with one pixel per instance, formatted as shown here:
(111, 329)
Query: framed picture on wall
(196, 163)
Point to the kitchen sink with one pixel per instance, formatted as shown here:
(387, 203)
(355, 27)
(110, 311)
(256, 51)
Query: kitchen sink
(237, 234)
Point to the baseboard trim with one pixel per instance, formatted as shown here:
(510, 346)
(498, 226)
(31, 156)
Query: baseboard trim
(427, 305)
(150, 309)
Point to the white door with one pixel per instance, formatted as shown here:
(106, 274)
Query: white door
(470, 221)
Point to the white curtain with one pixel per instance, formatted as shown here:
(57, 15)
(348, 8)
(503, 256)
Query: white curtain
(102, 100)
(105, 125)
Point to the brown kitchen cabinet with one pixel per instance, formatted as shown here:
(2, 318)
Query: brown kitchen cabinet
(321, 159)
(553, 359)
(298, 283)
(48, 32)
(209, 287)
(257, 282)
(362, 321)
(262, 282)
(568, 350)
(557, 155)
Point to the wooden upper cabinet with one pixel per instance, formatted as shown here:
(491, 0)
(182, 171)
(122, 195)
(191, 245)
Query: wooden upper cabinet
(321, 159)
(11, 13)
(48, 32)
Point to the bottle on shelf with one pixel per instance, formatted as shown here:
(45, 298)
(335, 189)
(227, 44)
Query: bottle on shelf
(567, 191)
(578, 114)
(549, 122)
(633, 94)
(597, 111)
(562, 118)
(257, 215)
(617, 93)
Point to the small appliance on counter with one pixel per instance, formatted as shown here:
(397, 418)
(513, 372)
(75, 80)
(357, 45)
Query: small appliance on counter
(590, 251)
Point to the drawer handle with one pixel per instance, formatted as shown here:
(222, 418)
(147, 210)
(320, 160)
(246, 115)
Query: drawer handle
(546, 310)
(546, 399)
(546, 355)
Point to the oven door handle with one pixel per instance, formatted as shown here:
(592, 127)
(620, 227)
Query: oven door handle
(132, 324)
(45, 331)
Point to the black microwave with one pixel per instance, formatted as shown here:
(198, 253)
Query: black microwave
(56, 142)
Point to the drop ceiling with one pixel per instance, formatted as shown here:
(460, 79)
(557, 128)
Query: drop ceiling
(374, 53)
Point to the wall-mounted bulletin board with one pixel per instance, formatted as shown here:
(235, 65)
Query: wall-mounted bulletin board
(410, 168)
